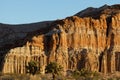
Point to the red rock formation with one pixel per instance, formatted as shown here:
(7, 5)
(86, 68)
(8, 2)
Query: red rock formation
(91, 42)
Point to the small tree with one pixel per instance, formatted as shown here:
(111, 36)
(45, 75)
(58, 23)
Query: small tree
(32, 67)
(53, 68)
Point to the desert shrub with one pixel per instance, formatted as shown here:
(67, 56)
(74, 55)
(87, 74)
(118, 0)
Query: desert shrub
(85, 74)
(53, 68)
(32, 67)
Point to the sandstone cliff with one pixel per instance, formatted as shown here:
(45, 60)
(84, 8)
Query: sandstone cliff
(87, 40)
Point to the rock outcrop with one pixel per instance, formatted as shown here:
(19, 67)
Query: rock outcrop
(81, 41)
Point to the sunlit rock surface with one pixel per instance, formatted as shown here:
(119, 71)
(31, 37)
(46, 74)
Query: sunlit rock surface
(87, 40)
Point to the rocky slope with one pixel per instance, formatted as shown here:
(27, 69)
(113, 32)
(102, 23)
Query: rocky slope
(90, 39)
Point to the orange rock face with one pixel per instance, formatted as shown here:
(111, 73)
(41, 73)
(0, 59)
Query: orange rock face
(92, 43)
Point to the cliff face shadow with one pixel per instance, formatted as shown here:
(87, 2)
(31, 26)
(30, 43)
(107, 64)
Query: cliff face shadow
(4, 49)
(81, 63)
(108, 54)
(42, 29)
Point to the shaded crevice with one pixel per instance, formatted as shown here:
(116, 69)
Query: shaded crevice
(112, 43)
(100, 61)
(47, 41)
(3, 53)
(109, 52)
(117, 61)
(82, 61)
(58, 42)
(109, 21)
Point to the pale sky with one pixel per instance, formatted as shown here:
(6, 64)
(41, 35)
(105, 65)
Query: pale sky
(29, 11)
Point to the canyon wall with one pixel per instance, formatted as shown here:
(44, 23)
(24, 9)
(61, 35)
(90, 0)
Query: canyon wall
(74, 43)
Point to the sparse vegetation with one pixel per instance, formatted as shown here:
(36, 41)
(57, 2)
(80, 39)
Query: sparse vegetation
(53, 68)
(84, 74)
(48, 77)
(32, 67)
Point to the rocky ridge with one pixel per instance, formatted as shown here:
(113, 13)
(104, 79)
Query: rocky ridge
(87, 40)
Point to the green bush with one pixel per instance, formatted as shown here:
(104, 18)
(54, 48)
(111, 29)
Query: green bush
(85, 74)
(53, 68)
(32, 67)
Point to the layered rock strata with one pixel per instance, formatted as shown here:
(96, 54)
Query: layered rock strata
(92, 43)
